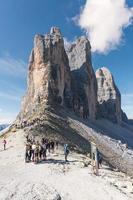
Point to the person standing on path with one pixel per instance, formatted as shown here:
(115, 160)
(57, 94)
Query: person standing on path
(57, 144)
(66, 151)
(4, 143)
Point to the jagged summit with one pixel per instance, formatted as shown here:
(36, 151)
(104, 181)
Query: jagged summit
(109, 97)
(79, 53)
(105, 79)
(103, 70)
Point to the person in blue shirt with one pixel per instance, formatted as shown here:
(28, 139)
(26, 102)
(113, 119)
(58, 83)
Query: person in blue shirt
(66, 151)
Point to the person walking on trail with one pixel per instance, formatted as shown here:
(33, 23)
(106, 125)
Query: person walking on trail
(100, 159)
(66, 151)
(4, 143)
(40, 152)
(52, 146)
(44, 149)
(57, 144)
(27, 152)
(33, 151)
(36, 160)
(48, 145)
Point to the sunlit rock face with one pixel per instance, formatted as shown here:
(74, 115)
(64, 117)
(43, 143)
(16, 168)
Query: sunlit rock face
(84, 85)
(49, 73)
(109, 97)
(59, 77)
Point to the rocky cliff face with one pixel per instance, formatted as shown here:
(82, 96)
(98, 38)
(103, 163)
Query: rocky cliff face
(49, 73)
(59, 78)
(84, 85)
(109, 97)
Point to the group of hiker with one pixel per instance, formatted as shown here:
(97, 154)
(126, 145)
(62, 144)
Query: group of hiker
(36, 151)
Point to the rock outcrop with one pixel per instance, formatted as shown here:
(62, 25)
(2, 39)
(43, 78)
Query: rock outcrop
(59, 78)
(109, 97)
(84, 85)
(66, 78)
(49, 74)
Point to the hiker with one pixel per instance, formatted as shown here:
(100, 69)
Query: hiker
(99, 159)
(4, 142)
(44, 148)
(57, 144)
(30, 150)
(93, 162)
(43, 141)
(27, 138)
(27, 152)
(66, 151)
(40, 152)
(52, 145)
(36, 153)
(48, 145)
(33, 151)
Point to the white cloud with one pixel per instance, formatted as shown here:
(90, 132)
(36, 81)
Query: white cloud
(11, 66)
(127, 104)
(104, 22)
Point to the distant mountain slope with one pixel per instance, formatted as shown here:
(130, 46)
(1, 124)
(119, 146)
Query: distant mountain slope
(3, 126)
(131, 121)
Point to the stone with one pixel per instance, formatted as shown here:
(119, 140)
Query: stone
(49, 78)
(84, 85)
(59, 77)
(109, 97)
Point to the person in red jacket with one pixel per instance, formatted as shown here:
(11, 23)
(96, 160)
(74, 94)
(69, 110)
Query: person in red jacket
(4, 142)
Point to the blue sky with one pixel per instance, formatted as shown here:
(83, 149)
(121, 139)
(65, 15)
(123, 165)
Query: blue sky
(21, 20)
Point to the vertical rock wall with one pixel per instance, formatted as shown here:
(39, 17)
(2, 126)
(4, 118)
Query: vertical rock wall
(109, 97)
(49, 73)
(84, 83)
